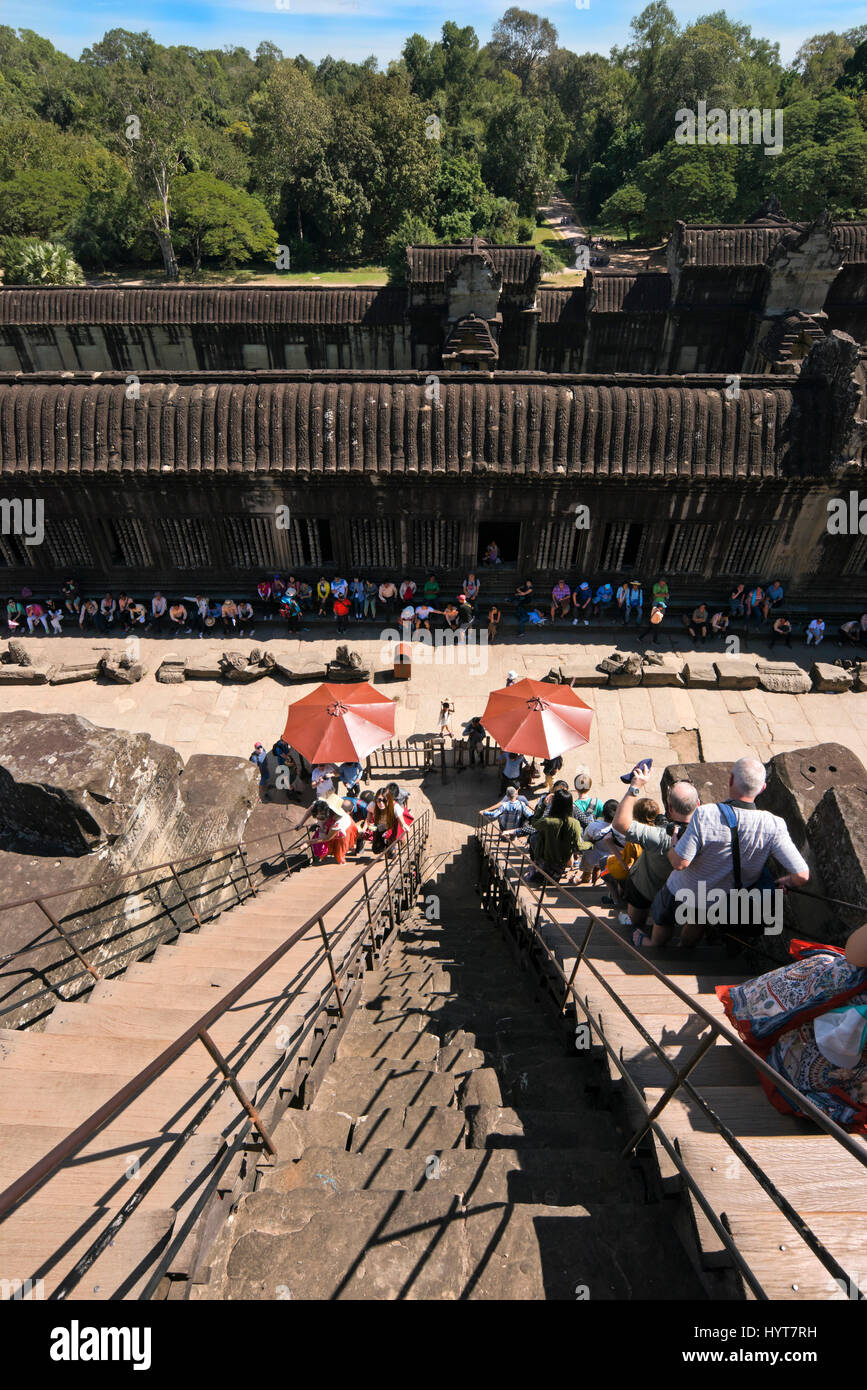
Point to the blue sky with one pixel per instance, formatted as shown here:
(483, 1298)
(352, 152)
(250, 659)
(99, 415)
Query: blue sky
(354, 28)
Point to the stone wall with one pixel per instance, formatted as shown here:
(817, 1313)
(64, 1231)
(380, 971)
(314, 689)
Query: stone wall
(228, 526)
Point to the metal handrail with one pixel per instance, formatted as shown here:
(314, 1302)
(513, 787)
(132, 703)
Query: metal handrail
(69, 1147)
(106, 890)
(680, 1075)
(220, 852)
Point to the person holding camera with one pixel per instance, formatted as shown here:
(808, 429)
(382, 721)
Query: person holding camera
(651, 869)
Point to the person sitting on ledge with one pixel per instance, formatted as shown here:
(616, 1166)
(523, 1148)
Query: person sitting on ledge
(582, 597)
(561, 598)
(107, 611)
(35, 615)
(660, 592)
(815, 632)
(229, 614)
(159, 607)
(781, 631)
(755, 605)
(808, 1020)
(511, 812)
(719, 624)
(697, 624)
(773, 597)
(737, 601)
(602, 601)
(178, 617)
(87, 616)
(492, 554)
(849, 634)
(245, 618)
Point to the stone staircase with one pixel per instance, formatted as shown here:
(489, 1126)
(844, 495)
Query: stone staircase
(453, 1150)
(52, 1081)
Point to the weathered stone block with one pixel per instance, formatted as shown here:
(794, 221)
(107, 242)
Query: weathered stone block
(172, 670)
(65, 675)
(205, 669)
(860, 682)
(18, 653)
(121, 674)
(583, 675)
(699, 673)
(306, 672)
(612, 663)
(736, 673)
(834, 679)
(711, 779)
(837, 834)
(23, 675)
(783, 678)
(798, 780)
(668, 670)
(629, 673)
(69, 784)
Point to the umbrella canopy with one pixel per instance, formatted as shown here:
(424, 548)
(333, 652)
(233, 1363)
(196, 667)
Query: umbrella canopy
(536, 718)
(340, 723)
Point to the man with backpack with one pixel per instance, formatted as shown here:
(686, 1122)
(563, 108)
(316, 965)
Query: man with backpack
(725, 847)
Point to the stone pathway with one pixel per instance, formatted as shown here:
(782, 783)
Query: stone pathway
(207, 717)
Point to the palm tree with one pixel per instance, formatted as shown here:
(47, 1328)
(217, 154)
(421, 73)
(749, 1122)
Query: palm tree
(26, 261)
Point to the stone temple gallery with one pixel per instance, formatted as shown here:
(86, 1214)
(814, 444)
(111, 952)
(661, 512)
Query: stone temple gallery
(707, 417)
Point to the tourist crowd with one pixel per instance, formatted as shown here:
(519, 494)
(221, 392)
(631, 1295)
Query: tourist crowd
(650, 855)
(415, 605)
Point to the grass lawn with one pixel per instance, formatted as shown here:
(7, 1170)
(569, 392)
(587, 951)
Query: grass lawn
(258, 275)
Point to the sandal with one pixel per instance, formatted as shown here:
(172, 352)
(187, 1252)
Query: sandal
(640, 939)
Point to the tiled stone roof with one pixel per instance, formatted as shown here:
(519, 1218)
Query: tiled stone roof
(520, 266)
(201, 305)
(612, 292)
(520, 425)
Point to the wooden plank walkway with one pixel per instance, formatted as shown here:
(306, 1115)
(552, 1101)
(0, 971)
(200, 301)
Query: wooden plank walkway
(50, 1082)
(823, 1183)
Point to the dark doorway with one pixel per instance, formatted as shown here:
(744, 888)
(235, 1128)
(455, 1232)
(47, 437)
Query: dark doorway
(506, 534)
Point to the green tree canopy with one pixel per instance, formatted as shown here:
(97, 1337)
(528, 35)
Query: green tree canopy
(213, 220)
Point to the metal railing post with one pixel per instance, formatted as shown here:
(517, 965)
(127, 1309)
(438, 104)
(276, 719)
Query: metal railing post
(190, 907)
(388, 892)
(71, 944)
(232, 1079)
(253, 889)
(660, 1105)
(334, 980)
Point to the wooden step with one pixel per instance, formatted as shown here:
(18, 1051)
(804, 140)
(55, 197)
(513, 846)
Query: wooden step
(31, 1235)
(107, 1177)
(810, 1173)
(59, 1098)
(785, 1267)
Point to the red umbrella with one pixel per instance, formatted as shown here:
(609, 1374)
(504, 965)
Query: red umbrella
(538, 719)
(340, 723)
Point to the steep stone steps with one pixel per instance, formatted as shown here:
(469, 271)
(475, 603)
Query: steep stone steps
(475, 1163)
